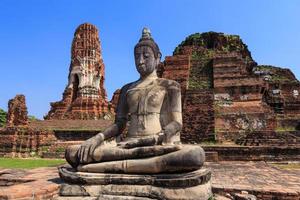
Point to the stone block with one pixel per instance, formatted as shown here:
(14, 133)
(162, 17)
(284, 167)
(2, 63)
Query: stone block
(190, 185)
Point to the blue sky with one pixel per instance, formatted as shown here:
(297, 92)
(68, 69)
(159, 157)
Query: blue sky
(36, 36)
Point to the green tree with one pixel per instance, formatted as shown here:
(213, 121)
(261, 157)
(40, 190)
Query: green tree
(2, 117)
(32, 118)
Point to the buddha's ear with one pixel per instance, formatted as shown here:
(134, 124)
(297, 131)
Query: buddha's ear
(157, 61)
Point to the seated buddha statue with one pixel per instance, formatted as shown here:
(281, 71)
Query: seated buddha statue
(151, 107)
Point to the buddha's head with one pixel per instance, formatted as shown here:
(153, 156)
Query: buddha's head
(146, 54)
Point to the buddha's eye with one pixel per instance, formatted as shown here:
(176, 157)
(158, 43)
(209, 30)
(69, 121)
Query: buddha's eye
(146, 55)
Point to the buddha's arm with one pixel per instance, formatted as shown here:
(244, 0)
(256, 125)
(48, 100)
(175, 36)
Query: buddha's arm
(173, 127)
(87, 148)
(174, 109)
(113, 130)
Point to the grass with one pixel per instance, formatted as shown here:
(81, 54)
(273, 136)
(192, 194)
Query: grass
(284, 129)
(289, 166)
(24, 163)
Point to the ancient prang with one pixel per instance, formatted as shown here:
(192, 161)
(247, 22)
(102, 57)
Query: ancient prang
(85, 96)
(227, 96)
(17, 114)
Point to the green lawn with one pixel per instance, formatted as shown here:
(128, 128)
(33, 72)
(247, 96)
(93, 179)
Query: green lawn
(290, 166)
(24, 163)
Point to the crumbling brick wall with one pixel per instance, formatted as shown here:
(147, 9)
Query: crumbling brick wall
(17, 112)
(198, 116)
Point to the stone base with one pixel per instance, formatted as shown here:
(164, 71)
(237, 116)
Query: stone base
(89, 186)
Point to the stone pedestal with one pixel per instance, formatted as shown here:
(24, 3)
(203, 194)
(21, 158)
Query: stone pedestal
(89, 186)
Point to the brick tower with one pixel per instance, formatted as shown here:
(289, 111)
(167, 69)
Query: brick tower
(85, 96)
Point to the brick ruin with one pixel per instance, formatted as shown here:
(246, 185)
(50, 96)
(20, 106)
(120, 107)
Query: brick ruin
(17, 114)
(228, 97)
(84, 96)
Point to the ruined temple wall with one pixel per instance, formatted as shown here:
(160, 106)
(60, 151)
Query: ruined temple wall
(291, 94)
(238, 81)
(197, 105)
(47, 138)
(24, 141)
(198, 116)
(17, 114)
(177, 68)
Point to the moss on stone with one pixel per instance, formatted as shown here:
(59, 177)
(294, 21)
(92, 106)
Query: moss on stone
(215, 41)
(201, 71)
(277, 74)
(3, 115)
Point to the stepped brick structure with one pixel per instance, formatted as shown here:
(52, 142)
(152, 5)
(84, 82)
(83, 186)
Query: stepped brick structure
(226, 95)
(85, 96)
(17, 112)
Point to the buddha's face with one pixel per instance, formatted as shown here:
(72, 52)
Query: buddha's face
(145, 60)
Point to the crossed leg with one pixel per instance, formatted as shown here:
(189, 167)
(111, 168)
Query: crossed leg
(150, 160)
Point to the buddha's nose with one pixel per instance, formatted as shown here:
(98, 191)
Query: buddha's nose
(141, 60)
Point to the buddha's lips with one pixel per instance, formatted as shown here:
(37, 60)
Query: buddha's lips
(142, 66)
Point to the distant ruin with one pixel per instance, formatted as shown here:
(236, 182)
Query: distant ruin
(85, 96)
(17, 114)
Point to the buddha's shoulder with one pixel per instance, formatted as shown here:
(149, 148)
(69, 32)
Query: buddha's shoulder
(167, 83)
(128, 86)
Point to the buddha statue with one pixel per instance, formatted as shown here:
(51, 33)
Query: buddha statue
(151, 107)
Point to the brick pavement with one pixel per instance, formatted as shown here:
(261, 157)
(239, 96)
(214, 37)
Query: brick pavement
(40, 183)
(258, 178)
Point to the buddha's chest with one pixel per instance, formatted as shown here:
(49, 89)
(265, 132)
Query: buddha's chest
(145, 100)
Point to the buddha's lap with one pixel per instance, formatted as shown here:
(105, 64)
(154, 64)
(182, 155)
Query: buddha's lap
(173, 153)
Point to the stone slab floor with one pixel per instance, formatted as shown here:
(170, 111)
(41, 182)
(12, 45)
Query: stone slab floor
(258, 178)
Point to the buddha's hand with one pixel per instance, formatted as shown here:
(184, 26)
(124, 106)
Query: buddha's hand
(166, 136)
(144, 141)
(87, 148)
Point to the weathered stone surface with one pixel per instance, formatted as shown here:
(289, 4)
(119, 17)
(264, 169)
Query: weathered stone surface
(9, 177)
(192, 185)
(17, 112)
(257, 178)
(189, 179)
(72, 190)
(244, 196)
(85, 96)
(148, 192)
(41, 183)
